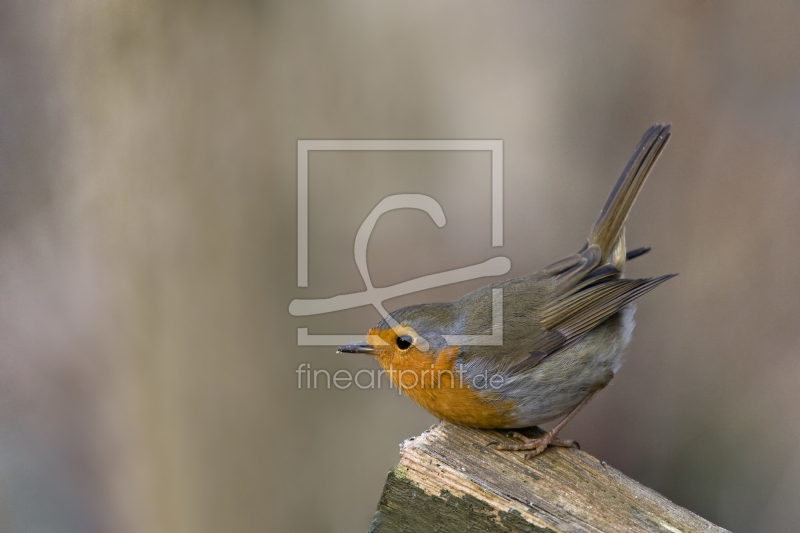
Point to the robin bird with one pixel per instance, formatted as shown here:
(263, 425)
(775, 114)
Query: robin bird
(563, 328)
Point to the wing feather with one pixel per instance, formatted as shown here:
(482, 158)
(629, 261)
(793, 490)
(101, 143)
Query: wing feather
(568, 318)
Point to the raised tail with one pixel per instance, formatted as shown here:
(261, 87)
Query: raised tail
(609, 230)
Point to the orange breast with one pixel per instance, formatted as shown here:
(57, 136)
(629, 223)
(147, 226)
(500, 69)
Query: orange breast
(437, 386)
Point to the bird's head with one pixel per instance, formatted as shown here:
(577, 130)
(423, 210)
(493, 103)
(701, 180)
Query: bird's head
(414, 333)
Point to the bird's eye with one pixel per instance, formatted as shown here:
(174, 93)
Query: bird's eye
(404, 342)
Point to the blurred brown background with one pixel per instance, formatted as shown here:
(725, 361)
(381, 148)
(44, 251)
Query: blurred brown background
(148, 243)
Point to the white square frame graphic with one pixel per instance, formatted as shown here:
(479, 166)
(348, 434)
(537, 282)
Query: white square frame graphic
(304, 146)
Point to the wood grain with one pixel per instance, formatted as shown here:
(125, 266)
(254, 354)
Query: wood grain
(449, 480)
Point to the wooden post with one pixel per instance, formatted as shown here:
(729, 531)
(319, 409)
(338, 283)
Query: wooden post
(449, 481)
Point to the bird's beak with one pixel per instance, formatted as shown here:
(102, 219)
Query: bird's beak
(358, 347)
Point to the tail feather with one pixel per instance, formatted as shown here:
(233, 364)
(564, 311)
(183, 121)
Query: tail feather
(633, 254)
(608, 231)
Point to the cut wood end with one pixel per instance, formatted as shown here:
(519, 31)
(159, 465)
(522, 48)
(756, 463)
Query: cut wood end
(449, 480)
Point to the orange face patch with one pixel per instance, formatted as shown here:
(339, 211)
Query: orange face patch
(432, 380)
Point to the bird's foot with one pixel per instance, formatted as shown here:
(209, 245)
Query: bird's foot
(535, 445)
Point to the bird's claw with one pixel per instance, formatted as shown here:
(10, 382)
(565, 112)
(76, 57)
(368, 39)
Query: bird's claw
(534, 446)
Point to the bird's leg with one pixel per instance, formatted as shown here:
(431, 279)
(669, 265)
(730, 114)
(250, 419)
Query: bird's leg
(553, 442)
(524, 438)
(539, 444)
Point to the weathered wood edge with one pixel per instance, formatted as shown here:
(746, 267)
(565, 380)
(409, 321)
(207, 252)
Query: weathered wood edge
(448, 480)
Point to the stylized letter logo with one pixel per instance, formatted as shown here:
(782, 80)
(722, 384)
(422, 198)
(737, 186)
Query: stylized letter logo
(376, 296)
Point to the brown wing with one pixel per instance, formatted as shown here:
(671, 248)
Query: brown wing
(579, 312)
(585, 301)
